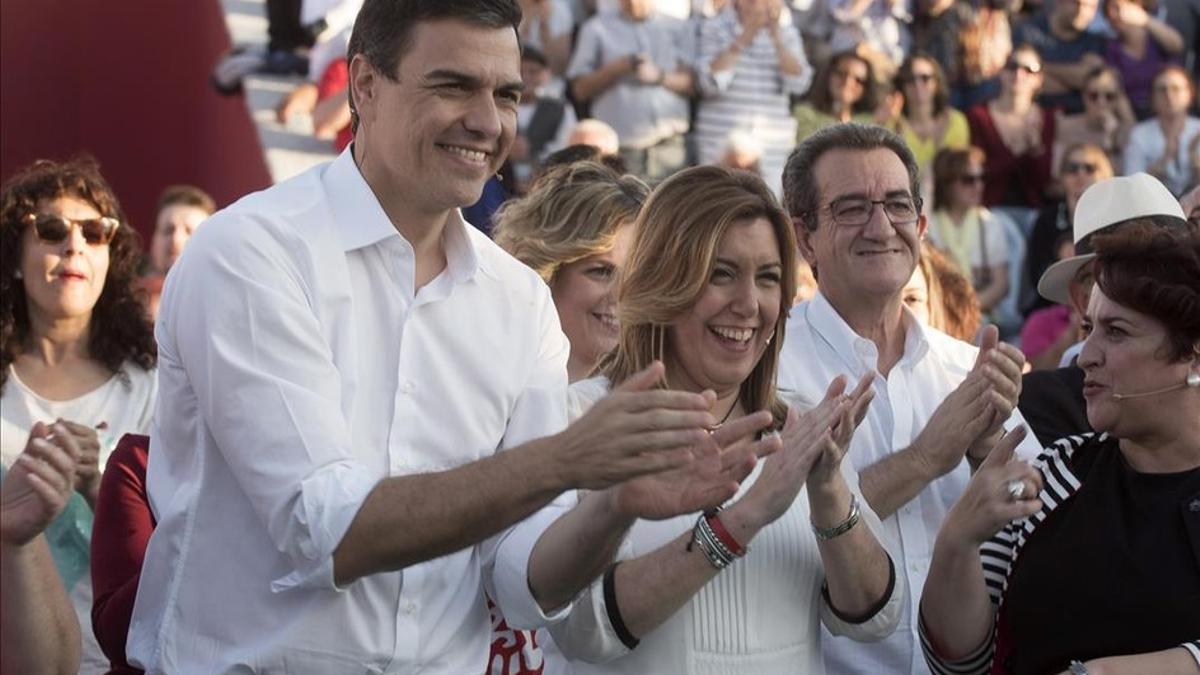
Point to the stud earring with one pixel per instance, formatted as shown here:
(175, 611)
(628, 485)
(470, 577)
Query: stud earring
(1193, 380)
(17, 274)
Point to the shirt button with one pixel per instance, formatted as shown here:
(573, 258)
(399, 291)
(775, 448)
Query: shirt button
(408, 387)
(408, 607)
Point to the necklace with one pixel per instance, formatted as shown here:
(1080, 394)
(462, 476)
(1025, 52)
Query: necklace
(724, 419)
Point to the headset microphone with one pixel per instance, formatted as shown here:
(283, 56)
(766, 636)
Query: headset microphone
(1193, 380)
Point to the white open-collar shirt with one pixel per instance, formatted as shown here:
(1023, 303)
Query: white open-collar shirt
(298, 368)
(819, 346)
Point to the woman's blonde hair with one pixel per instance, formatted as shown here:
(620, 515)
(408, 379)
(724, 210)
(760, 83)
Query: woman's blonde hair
(671, 260)
(570, 213)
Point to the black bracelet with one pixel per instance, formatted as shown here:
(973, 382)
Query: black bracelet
(614, 613)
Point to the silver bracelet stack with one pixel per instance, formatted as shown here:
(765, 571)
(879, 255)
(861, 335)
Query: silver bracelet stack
(703, 537)
(827, 533)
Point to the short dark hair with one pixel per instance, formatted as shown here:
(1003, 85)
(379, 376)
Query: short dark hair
(581, 152)
(801, 193)
(383, 29)
(186, 195)
(1152, 265)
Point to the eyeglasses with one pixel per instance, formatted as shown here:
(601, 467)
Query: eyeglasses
(51, 228)
(856, 211)
(1029, 68)
(923, 78)
(1081, 167)
(1097, 96)
(970, 179)
(847, 75)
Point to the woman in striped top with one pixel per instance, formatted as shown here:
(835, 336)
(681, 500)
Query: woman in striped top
(1100, 571)
(751, 64)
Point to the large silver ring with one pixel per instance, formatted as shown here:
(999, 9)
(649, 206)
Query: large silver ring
(1015, 488)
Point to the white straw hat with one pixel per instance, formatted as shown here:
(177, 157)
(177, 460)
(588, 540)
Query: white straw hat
(1101, 208)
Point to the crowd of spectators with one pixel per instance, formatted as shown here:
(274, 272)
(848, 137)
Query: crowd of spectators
(1011, 111)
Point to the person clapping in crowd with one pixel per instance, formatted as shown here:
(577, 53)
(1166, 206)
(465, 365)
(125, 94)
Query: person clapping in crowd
(1167, 146)
(75, 342)
(1015, 578)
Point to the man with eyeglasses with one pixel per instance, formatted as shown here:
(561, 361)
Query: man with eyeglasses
(850, 191)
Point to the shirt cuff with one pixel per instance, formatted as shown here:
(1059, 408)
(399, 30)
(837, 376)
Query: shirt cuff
(326, 506)
(510, 575)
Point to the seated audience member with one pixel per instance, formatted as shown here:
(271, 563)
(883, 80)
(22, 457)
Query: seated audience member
(591, 131)
(941, 296)
(716, 319)
(1165, 145)
(181, 209)
(544, 122)
(546, 27)
(1053, 399)
(574, 229)
(845, 91)
(1067, 51)
(1142, 46)
(970, 41)
(878, 29)
(973, 237)
(927, 123)
(1016, 134)
(331, 117)
(124, 523)
(38, 629)
(302, 99)
(750, 65)
(77, 343)
(634, 67)
(1084, 561)
(1105, 122)
(1050, 240)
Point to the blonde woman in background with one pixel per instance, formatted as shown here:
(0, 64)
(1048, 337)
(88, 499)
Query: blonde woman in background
(573, 229)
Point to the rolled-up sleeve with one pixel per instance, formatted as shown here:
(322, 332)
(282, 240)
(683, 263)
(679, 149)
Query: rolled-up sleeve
(540, 410)
(267, 389)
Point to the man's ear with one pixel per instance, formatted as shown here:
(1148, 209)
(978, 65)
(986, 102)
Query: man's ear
(803, 240)
(364, 80)
(922, 227)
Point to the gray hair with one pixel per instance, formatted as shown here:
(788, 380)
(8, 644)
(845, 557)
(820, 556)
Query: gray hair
(801, 194)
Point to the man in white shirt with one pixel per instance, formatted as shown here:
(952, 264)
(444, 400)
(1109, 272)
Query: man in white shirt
(851, 190)
(342, 361)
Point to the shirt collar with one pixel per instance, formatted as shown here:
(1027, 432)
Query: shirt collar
(362, 222)
(854, 348)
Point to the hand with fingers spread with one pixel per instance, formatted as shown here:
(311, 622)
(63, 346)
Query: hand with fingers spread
(1002, 490)
(634, 431)
(956, 423)
(39, 484)
(722, 462)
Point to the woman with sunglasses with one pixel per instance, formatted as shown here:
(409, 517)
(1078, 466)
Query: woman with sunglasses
(1165, 146)
(844, 92)
(971, 235)
(1105, 122)
(1081, 165)
(75, 342)
(927, 122)
(745, 589)
(1142, 46)
(1017, 135)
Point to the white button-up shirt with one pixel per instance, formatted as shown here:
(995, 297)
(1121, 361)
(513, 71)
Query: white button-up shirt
(820, 345)
(299, 366)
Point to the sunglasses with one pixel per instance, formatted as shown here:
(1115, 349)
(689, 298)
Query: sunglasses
(53, 229)
(1029, 68)
(970, 179)
(923, 78)
(847, 75)
(1097, 96)
(1080, 167)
